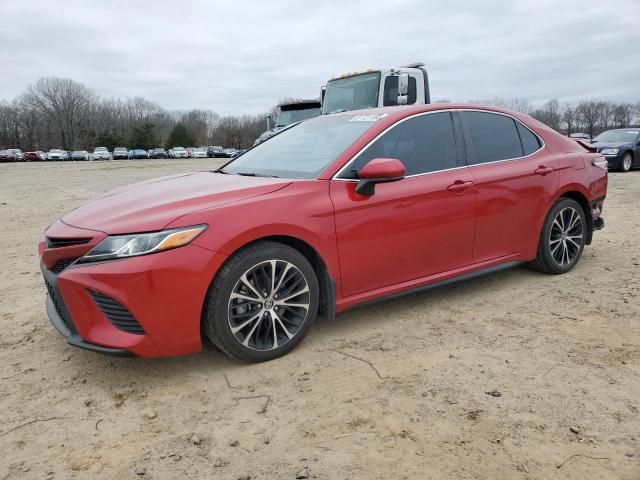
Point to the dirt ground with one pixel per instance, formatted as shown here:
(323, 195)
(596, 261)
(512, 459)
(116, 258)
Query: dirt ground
(389, 391)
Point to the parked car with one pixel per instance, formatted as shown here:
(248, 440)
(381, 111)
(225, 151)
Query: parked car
(56, 154)
(353, 207)
(138, 154)
(120, 153)
(31, 156)
(80, 155)
(170, 153)
(621, 148)
(101, 153)
(179, 152)
(215, 152)
(158, 153)
(17, 153)
(230, 152)
(199, 152)
(239, 152)
(42, 155)
(7, 156)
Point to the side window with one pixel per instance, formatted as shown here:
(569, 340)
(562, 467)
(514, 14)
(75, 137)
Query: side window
(494, 136)
(391, 91)
(423, 144)
(530, 142)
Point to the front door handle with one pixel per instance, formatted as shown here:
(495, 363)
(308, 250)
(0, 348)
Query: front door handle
(543, 170)
(459, 186)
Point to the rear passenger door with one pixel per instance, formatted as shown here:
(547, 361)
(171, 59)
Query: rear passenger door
(515, 181)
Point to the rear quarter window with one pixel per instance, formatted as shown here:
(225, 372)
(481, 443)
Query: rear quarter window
(530, 142)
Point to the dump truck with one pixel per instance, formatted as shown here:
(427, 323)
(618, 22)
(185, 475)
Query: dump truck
(405, 85)
(288, 113)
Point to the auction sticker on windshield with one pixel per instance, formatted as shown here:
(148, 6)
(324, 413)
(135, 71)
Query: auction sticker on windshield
(368, 118)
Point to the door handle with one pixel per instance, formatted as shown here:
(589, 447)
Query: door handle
(543, 170)
(459, 186)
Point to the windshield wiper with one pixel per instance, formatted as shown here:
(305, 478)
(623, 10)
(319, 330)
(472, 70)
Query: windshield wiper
(254, 174)
(340, 110)
(219, 170)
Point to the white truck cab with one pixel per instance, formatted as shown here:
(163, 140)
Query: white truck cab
(406, 85)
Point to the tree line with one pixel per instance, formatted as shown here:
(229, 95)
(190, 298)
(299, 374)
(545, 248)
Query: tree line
(62, 113)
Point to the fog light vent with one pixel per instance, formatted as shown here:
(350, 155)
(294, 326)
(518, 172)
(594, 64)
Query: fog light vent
(117, 314)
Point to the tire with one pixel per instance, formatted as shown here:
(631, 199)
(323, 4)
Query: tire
(242, 310)
(562, 239)
(626, 162)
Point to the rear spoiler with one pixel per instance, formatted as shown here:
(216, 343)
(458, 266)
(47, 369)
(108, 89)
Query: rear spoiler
(586, 145)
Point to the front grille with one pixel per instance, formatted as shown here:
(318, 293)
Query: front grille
(117, 313)
(62, 264)
(65, 242)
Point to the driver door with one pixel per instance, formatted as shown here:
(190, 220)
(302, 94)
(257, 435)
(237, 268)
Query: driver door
(415, 227)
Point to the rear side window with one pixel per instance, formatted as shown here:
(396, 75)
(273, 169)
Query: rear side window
(391, 91)
(423, 144)
(494, 137)
(530, 142)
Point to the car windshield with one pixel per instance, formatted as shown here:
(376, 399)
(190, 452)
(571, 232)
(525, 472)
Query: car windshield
(304, 150)
(287, 116)
(352, 93)
(198, 150)
(79, 152)
(178, 148)
(100, 149)
(120, 149)
(621, 136)
(55, 150)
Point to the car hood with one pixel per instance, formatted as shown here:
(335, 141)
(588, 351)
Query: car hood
(152, 205)
(612, 144)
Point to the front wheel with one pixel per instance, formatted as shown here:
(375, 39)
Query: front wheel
(562, 239)
(262, 302)
(626, 162)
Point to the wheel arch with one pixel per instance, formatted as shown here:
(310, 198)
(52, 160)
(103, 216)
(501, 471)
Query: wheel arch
(582, 199)
(326, 283)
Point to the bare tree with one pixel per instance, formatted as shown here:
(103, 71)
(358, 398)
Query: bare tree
(64, 102)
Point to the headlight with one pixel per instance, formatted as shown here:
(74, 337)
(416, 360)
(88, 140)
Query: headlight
(609, 151)
(123, 246)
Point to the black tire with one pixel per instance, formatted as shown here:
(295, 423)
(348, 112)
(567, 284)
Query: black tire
(220, 307)
(553, 238)
(626, 162)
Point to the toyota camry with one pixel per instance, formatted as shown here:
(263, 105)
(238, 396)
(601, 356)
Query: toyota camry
(333, 212)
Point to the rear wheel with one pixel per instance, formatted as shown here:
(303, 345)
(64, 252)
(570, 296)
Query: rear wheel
(626, 162)
(262, 303)
(563, 237)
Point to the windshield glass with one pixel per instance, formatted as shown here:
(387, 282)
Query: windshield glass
(352, 93)
(621, 136)
(100, 149)
(303, 150)
(287, 117)
(179, 149)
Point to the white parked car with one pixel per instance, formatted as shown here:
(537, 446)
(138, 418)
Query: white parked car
(199, 152)
(101, 153)
(180, 152)
(56, 154)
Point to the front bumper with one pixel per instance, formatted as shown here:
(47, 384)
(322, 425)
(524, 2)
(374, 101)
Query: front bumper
(165, 293)
(60, 319)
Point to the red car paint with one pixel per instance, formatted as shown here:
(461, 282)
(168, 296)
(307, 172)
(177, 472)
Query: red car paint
(410, 233)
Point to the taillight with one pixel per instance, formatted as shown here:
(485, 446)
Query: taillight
(600, 162)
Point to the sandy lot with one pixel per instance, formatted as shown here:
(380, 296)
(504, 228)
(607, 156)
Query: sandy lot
(390, 391)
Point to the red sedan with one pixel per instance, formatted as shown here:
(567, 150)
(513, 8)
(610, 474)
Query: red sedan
(328, 214)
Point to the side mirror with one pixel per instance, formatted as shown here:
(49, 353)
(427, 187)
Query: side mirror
(403, 88)
(378, 170)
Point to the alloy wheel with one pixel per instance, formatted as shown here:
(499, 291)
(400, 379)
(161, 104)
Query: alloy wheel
(565, 239)
(626, 163)
(268, 305)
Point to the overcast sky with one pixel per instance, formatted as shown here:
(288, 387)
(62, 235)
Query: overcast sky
(239, 56)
